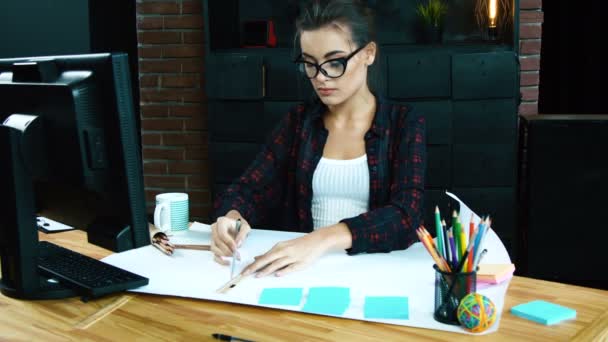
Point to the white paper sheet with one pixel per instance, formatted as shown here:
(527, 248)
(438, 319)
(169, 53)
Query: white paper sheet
(408, 273)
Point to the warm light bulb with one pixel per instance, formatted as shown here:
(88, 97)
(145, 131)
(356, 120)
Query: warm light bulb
(492, 13)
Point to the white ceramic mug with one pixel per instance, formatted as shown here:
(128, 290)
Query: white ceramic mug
(171, 212)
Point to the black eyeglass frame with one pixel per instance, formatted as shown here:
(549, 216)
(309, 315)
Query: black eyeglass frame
(343, 60)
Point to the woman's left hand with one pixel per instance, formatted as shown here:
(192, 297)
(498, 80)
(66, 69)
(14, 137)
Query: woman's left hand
(288, 256)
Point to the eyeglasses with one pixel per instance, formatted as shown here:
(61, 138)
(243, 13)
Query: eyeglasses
(332, 68)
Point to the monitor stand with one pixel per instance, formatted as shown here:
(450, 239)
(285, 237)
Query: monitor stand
(18, 230)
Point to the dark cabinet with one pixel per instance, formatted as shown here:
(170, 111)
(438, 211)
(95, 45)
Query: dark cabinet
(230, 159)
(419, 75)
(235, 76)
(484, 75)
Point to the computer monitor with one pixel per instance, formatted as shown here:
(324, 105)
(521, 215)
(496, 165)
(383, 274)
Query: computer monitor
(67, 128)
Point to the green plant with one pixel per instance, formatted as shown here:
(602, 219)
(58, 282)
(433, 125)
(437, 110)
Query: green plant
(432, 12)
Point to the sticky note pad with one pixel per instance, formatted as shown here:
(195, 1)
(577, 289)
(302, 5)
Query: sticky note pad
(281, 296)
(386, 307)
(327, 300)
(543, 312)
(494, 273)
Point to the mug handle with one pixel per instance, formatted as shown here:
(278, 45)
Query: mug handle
(158, 217)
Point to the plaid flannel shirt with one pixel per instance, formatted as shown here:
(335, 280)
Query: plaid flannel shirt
(278, 182)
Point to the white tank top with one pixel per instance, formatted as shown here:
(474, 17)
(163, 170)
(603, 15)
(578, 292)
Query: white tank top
(340, 189)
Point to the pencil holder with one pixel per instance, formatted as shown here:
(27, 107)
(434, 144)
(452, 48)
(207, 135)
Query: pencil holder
(450, 288)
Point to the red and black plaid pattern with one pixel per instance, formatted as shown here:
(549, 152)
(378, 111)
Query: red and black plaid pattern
(278, 183)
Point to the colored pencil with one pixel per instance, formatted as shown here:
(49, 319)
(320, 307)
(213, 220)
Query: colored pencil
(456, 233)
(446, 243)
(439, 232)
(439, 261)
(453, 247)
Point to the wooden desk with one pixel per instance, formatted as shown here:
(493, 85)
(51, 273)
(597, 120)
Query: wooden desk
(129, 316)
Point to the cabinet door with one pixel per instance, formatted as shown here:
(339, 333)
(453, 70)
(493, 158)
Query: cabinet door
(419, 75)
(484, 165)
(229, 160)
(485, 121)
(283, 80)
(438, 166)
(500, 204)
(484, 75)
(438, 116)
(274, 112)
(236, 121)
(238, 77)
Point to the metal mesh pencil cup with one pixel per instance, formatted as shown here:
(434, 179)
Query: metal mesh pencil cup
(450, 288)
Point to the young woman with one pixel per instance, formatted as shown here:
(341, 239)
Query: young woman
(348, 168)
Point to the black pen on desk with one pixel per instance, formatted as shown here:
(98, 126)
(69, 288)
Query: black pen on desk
(223, 337)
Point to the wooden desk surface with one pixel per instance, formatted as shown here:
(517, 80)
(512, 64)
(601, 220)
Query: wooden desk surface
(133, 316)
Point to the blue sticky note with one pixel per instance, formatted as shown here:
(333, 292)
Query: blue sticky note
(281, 296)
(543, 312)
(386, 307)
(327, 300)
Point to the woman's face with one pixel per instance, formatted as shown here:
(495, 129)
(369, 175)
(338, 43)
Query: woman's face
(327, 43)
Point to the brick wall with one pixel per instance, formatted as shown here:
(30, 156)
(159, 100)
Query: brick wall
(530, 32)
(173, 117)
(174, 132)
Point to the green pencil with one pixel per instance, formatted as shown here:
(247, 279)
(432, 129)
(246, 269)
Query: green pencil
(457, 229)
(439, 232)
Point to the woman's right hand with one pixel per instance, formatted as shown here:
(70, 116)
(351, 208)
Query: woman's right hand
(224, 238)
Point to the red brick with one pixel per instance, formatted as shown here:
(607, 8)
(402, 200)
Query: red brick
(175, 182)
(186, 167)
(531, 4)
(180, 81)
(155, 168)
(201, 197)
(528, 63)
(150, 23)
(530, 31)
(529, 93)
(199, 212)
(158, 37)
(530, 47)
(151, 139)
(198, 182)
(162, 124)
(189, 110)
(528, 108)
(192, 37)
(196, 123)
(184, 139)
(193, 65)
(151, 197)
(192, 7)
(198, 153)
(186, 50)
(531, 17)
(528, 79)
(183, 22)
(168, 65)
(161, 7)
(154, 111)
(173, 95)
(162, 153)
(150, 51)
(147, 81)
